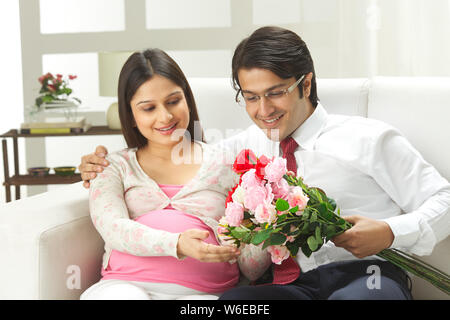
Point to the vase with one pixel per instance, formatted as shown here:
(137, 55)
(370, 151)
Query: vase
(68, 108)
(33, 114)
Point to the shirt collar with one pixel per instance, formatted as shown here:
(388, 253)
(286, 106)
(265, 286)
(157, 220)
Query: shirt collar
(307, 134)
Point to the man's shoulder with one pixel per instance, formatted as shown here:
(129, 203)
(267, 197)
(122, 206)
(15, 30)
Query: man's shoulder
(356, 126)
(354, 133)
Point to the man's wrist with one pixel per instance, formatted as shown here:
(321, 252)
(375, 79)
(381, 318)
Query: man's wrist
(389, 235)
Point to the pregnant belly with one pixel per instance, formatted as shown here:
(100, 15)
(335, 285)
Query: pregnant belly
(207, 277)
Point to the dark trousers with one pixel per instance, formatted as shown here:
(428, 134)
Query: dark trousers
(343, 280)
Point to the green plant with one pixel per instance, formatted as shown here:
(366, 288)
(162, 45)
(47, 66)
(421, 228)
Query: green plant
(54, 88)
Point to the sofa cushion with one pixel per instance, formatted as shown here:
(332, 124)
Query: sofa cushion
(344, 96)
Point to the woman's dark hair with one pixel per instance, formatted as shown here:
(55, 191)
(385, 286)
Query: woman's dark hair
(278, 50)
(140, 67)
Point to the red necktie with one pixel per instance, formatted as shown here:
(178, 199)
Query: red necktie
(288, 146)
(289, 270)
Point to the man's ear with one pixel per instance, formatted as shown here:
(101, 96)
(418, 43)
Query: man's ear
(307, 85)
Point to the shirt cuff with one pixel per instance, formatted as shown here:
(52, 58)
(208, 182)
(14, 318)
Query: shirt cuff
(406, 230)
(174, 238)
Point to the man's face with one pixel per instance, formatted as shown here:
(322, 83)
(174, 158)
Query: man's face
(278, 115)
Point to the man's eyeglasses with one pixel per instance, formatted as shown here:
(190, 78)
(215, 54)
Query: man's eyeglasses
(244, 99)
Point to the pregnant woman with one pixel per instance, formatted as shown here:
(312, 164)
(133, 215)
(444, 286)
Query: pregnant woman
(158, 203)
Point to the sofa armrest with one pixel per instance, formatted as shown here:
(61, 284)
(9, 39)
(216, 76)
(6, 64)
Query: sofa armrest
(51, 249)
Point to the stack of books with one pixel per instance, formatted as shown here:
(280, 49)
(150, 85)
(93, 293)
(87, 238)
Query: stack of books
(55, 126)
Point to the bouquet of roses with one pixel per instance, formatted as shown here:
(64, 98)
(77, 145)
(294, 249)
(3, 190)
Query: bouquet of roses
(272, 207)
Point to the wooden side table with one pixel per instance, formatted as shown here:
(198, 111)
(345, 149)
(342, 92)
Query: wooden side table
(26, 179)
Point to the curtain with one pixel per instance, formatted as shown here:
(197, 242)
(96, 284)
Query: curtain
(365, 38)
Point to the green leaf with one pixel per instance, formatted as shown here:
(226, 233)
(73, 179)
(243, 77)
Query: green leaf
(324, 211)
(306, 250)
(266, 244)
(306, 213)
(313, 217)
(247, 238)
(238, 232)
(318, 236)
(305, 227)
(293, 210)
(329, 231)
(332, 204)
(47, 98)
(261, 236)
(276, 239)
(38, 101)
(312, 243)
(317, 194)
(293, 248)
(281, 218)
(282, 205)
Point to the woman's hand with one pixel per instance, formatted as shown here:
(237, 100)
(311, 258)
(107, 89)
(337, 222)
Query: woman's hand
(191, 244)
(91, 164)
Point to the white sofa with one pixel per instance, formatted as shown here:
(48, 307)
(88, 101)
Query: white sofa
(47, 241)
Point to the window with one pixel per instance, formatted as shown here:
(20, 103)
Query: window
(172, 14)
(70, 16)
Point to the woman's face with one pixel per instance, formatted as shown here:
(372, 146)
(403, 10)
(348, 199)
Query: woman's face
(159, 108)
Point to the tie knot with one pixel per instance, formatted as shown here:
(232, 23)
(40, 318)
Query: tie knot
(288, 146)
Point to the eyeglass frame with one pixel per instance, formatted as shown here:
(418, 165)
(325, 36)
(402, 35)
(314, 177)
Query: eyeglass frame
(285, 91)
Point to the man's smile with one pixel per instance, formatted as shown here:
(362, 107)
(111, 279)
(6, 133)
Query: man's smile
(273, 121)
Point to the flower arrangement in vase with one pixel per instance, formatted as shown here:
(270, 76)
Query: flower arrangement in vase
(55, 92)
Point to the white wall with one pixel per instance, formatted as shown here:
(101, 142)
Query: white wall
(11, 107)
(347, 38)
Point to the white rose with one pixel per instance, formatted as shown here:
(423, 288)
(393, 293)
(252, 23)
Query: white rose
(238, 195)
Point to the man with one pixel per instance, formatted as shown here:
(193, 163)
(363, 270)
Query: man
(379, 181)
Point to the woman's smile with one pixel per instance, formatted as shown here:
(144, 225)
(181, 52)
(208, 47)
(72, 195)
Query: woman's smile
(167, 130)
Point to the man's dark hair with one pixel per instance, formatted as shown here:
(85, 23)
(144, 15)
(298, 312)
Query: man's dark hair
(140, 67)
(278, 50)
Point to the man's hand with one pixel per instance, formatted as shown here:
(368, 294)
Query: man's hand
(367, 236)
(191, 244)
(91, 164)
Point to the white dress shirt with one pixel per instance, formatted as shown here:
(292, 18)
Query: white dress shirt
(370, 169)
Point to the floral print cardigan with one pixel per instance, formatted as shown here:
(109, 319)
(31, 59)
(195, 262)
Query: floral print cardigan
(123, 192)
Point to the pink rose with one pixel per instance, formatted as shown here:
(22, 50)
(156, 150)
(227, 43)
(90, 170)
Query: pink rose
(254, 196)
(296, 197)
(281, 189)
(265, 212)
(269, 193)
(275, 170)
(278, 253)
(234, 214)
(249, 179)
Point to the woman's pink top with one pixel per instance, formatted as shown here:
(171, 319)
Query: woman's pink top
(189, 272)
(136, 218)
